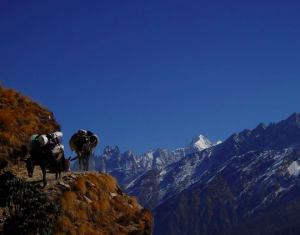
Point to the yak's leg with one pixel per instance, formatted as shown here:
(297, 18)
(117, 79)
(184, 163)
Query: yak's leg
(87, 164)
(80, 162)
(58, 174)
(43, 167)
(58, 170)
(84, 163)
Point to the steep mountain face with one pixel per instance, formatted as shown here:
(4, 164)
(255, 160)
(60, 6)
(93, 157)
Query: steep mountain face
(252, 172)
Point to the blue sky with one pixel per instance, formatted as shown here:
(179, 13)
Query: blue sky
(148, 74)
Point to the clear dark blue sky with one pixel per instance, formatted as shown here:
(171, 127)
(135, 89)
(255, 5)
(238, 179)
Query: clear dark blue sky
(147, 74)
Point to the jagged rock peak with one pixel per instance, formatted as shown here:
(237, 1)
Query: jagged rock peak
(294, 117)
(261, 126)
(129, 153)
(107, 150)
(117, 149)
(246, 132)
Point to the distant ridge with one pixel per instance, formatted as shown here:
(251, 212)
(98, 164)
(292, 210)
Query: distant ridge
(251, 173)
(127, 166)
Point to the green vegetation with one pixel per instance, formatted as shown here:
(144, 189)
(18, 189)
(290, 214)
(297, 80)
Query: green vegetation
(28, 211)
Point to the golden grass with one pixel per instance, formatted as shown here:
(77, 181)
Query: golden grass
(104, 205)
(20, 118)
(63, 224)
(7, 119)
(82, 206)
(132, 201)
(79, 186)
(72, 231)
(108, 183)
(4, 138)
(82, 215)
(69, 196)
(70, 212)
(86, 230)
(106, 214)
(92, 194)
(93, 179)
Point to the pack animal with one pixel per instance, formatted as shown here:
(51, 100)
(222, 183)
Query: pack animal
(83, 142)
(44, 157)
(83, 157)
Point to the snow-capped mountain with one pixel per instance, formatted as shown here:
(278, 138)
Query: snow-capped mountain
(206, 192)
(158, 157)
(127, 166)
(163, 157)
(197, 144)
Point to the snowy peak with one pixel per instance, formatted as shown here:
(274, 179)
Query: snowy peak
(197, 144)
(163, 157)
(199, 141)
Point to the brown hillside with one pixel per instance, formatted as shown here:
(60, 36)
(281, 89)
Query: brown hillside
(95, 204)
(20, 117)
(91, 203)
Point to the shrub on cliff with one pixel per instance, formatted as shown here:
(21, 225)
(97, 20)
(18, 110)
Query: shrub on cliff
(29, 211)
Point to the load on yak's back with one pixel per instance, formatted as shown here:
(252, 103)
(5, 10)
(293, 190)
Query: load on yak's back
(47, 152)
(52, 140)
(83, 142)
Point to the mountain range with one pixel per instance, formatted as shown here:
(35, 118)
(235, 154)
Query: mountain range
(127, 166)
(223, 188)
(250, 174)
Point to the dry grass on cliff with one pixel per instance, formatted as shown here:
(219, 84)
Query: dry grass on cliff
(110, 212)
(20, 117)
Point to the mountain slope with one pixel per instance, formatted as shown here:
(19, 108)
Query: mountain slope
(91, 203)
(282, 220)
(20, 117)
(255, 171)
(94, 204)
